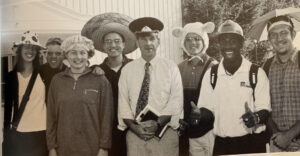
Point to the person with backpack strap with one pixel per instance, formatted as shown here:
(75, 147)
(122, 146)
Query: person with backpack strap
(235, 94)
(283, 71)
(194, 42)
(24, 105)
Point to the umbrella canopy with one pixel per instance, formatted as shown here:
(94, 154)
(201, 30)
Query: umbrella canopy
(258, 30)
(100, 25)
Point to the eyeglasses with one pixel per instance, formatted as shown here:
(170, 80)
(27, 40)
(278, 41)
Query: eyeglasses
(110, 42)
(190, 39)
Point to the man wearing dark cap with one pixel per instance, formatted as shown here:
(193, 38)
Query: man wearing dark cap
(284, 75)
(237, 111)
(150, 81)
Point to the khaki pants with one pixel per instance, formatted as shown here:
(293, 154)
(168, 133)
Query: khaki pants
(203, 145)
(166, 146)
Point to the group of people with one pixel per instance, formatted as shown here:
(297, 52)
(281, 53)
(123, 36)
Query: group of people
(231, 107)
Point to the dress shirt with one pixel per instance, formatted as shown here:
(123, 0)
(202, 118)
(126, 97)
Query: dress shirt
(227, 100)
(165, 91)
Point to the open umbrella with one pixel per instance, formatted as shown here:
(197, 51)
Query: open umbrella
(258, 30)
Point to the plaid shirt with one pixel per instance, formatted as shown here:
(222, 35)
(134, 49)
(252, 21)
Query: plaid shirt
(285, 92)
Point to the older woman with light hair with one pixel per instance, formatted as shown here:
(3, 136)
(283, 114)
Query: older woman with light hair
(80, 105)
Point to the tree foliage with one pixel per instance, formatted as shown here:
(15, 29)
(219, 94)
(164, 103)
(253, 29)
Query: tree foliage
(240, 11)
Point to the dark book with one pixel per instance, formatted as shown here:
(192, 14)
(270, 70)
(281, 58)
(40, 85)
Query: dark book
(149, 113)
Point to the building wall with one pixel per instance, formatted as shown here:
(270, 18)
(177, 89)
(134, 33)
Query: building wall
(69, 16)
(66, 17)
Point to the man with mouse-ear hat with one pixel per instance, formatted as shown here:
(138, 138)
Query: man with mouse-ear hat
(150, 82)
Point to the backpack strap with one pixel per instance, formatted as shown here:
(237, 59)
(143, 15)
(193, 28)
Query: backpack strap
(299, 59)
(267, 65)
(214, 75)
(202, 74)
(19, 112)
(253, 78)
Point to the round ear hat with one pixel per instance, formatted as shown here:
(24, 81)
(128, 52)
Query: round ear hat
(198, 28)
(146, 25)
(29, 37)
(98, 26)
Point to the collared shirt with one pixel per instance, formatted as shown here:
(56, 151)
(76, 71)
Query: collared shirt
(285, 92)
(165, 91)
(191, 72)
(227, 100)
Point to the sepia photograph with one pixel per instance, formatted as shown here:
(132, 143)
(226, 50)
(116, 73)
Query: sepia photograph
(150, 77)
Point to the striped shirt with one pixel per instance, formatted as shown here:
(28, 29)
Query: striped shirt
(285, 92)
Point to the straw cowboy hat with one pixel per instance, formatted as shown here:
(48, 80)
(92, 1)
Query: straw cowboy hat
(100, 25)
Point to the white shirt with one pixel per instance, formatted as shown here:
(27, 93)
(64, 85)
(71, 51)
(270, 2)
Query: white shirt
(34, 116)
(165, 91)
(227, 100)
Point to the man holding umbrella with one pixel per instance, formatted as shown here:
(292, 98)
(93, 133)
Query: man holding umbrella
(111, 35)
(284, 74)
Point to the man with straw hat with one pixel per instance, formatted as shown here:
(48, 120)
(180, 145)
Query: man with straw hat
(283, 71)
(150, 82)
(111, 35)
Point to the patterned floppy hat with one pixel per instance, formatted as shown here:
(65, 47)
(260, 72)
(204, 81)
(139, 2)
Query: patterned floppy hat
(29, 37)
(100, 25)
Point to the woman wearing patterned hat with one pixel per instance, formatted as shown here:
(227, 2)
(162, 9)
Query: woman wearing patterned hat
(25, 108)
(111, 35)
(79, 105)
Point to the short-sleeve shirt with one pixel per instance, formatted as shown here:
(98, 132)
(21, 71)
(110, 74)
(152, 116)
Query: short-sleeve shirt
(227, 100)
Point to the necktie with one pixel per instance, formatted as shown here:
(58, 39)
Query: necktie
(144, 92)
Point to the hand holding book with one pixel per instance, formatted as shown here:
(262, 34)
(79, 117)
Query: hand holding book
(151, 121)
(150, 126)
